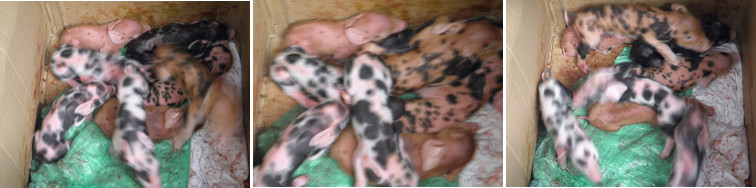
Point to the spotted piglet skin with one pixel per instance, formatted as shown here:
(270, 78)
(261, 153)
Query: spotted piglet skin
(448, 105)
(606, 85)
(197, 37)
(162, 93)
(217, 58)
(308, 136)
(78, 65)
(130, 139)
(306, 78)
(569, 137)
(443, 52)
(716, 30)
(70, 110)
(691, 71)
(378, 157)
(691, 143)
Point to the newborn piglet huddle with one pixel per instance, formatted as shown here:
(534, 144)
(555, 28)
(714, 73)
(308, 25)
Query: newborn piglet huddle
(162, 68)
(454, 66)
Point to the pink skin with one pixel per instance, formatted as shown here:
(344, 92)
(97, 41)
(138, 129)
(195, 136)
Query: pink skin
(570, 42)
(109, 38)
(287, 153)
(53, 122)
(341, 38)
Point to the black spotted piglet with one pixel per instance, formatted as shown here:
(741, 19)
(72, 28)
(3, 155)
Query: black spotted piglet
(70, 110)
(378, 157)
(606, 85)
(130, 138)
(78, 65)
(569, 137)
(308, 137)
(197, 37)
(306, 78)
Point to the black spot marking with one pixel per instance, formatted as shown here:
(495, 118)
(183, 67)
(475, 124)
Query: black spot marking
(66, 53)
(451, 98)
(293, 58)
(366, 72)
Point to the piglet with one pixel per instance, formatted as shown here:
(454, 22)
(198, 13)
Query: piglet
(715, 30)
(691, 71)
(309, 136)
(305, 78)
(378, 157)
(569, 137)
(212, 102)
(197, 37)
(70, 110)
(606, 85)
(444, 52)
(162, 122)
(341, 38)
(691, 143)
(130, 138)
(79, 65)
(444, 153)
(108, 38)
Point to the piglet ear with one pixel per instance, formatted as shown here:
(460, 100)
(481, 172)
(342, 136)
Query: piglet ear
(356, 36)
(85, 109)
(116, 36)
(173, 117)
(451, 27)
(679, 8)
(350, 22)
(431, 154)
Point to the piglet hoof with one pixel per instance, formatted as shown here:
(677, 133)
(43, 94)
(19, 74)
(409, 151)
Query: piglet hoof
(300, 181)
(584, 68)
(176, 146)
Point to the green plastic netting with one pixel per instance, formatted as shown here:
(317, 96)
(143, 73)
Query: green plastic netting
(324, 171)
(89, 162)
(628, 157)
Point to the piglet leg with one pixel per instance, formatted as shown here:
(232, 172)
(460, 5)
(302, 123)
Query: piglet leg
(561, 157)
(668, 147)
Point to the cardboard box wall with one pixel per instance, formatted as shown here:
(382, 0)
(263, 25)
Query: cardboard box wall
(534, 28)
(29, 34)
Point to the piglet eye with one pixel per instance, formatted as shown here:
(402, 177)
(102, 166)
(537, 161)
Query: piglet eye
(688, 37)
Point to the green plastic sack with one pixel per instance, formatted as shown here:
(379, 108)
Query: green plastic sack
(89, 162)
(628, 157)
(324, 171)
